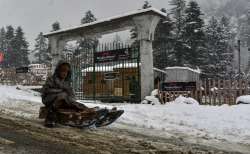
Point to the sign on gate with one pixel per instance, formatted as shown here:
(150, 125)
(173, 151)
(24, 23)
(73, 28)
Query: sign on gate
(111, 76)
(112, 55)
(178, 86)
(22, 70)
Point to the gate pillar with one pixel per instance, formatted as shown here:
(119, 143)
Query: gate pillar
(146, 26)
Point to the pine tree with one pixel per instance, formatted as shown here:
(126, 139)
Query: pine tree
(194, 36)
(20, 49)
(2, 39)
(88, 17)
(146, 5)
(41, 50)
(163, 44)
(87, 43)
(56, 26)
(9, 56)
(3, 44)
(228, 40)
(178, 15)
(218, 50)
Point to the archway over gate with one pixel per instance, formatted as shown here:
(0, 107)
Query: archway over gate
(145, 21)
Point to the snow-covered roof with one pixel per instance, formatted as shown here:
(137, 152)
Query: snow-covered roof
(183, 68)
(159, 70)
(110, 68)
(132, 13)
(126, 65)
(98, 69)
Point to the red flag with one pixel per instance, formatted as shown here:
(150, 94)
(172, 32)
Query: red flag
(1, 57)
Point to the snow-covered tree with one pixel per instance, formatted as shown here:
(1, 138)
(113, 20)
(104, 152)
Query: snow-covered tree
(229, 41)
(178, 16)
(88, 17)
(3, 44)
(194, 36)
(218, 50)
(42, 54)
(2, 39)
(163, 44)
(87, 43)
(9, 56)
(14, 46)
(146, 5)
(20, 49)
(56, 26)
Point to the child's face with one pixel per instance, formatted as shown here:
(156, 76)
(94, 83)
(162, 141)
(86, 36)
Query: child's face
(63, 71)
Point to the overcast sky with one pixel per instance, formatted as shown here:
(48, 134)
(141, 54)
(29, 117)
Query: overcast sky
(37, 15)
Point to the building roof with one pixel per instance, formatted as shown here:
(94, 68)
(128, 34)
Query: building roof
(98, 69)
(103, 21)
(126, 65)
(110, 68)
(183, 68)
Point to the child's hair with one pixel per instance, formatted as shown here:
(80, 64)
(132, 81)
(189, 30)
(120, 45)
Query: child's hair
(57, 71)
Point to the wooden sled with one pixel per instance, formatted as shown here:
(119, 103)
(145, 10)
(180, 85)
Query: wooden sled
(83, 119)
(72, 118)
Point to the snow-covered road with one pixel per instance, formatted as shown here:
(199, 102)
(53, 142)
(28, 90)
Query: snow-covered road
(221, 123)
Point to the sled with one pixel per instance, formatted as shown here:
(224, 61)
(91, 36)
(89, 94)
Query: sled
(110, 117)
(83, 119)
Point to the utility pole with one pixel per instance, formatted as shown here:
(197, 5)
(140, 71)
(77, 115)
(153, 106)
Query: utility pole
(239, 43)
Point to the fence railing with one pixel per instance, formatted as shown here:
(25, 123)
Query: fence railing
(211, 92)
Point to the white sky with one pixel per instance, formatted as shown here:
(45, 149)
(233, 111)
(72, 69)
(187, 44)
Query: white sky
(37, 15)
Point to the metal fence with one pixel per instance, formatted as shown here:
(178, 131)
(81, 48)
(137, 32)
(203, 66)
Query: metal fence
(109, 72)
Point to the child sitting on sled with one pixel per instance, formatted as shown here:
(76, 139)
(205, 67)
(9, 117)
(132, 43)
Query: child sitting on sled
(57, 93)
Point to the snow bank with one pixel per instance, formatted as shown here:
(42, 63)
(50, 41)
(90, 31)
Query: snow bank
(25, 102)
(185, 100)
(10, 93)
(231, 123)
(152, 99)
(243, 99)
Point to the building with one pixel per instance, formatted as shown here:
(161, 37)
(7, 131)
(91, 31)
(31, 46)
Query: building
(182, 74)
(40, 70)
(106, 81)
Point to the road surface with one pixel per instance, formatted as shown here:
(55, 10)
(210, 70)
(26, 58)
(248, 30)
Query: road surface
(19, 136)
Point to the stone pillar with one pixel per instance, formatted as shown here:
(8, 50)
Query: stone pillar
(145, 26)
(56, 47)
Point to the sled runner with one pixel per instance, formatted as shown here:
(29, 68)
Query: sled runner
(83, 119)
(111, 117)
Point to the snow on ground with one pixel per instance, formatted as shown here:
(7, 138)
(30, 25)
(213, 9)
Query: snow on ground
(223, 123)
(24, 103)
(183, 116)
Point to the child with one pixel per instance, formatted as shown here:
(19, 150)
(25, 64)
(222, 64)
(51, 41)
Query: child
(57, 93)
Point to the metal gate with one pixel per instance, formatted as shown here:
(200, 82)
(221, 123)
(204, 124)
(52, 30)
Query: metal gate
(109, 72)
